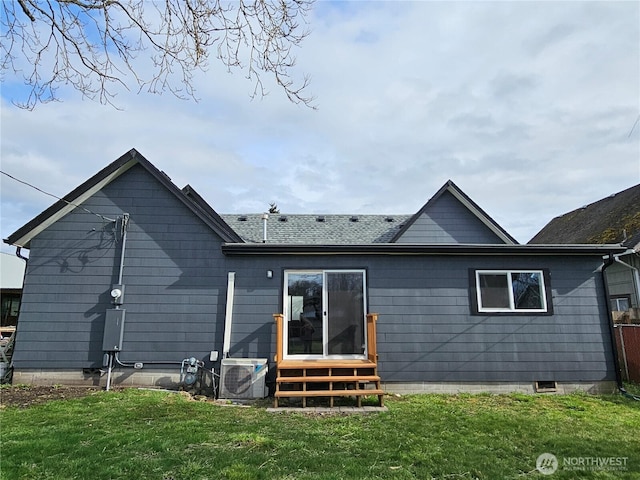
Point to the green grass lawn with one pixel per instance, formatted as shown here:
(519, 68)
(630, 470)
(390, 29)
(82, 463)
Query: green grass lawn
(141, 434)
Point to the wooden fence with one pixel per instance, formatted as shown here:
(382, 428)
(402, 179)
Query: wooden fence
(628, 342)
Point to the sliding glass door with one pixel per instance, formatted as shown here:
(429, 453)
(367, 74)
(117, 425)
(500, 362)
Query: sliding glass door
(325, 314)
(303, 313)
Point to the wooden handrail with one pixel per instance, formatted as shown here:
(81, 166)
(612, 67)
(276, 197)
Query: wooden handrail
(279, 319)
(372, 347)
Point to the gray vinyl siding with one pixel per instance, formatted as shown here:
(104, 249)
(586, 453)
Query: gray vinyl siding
(426, 332)
(448, 221)
(257, 298)
(621, 280)
(175, 282)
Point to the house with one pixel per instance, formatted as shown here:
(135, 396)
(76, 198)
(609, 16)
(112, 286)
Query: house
(11, 276)
(146, 275)
(614, 219)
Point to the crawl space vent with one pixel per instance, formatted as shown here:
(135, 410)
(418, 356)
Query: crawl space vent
(546, 386)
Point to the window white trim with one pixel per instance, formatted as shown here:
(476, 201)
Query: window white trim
(509, 277)
(617, 300)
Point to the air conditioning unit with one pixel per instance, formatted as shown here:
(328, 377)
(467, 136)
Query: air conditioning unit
(243, 378)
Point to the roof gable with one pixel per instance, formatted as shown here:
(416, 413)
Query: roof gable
(79, 195)
(450, 216)
(614, 219)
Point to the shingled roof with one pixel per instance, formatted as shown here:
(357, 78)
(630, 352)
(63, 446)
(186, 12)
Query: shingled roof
(614, 219)
(317, 229)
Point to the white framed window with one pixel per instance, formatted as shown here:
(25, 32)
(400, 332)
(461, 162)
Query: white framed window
(511, 291)
(620, 304)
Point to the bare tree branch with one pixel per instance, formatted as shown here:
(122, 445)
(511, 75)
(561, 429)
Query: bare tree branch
(98, 46)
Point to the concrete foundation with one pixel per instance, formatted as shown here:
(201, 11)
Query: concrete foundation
(170, 379)
(120, 378)
(602, 387)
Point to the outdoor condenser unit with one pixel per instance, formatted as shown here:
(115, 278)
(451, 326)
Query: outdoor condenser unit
(243, 378)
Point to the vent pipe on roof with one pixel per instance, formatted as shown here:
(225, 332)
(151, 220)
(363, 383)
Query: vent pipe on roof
(265, 217)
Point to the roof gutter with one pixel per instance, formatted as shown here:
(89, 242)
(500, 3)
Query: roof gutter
(417, 249)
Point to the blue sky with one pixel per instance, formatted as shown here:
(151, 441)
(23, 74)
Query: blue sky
(529, 107)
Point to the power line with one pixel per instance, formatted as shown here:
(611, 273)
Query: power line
(634, 126)
(57, 198)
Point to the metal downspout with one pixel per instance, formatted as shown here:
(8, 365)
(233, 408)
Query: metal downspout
(19, 254)
(616, 360)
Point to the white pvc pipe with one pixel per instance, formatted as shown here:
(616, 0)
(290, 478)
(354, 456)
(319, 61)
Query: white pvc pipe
(228, 318)
(109, 371)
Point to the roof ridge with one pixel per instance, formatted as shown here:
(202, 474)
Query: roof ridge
(602, 200)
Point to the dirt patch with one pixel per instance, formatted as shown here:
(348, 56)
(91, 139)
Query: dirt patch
(24, 396)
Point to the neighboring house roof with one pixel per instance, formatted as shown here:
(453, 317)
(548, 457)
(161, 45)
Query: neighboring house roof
(610, 220)
(317, 229)
(633, 242)
(73, 200)
(470, 205)
(11, 271)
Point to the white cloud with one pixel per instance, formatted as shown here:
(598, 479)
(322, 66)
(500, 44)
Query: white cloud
(526, 106)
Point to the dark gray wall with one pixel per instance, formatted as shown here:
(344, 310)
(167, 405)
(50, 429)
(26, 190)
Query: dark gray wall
(175, 277)
(448, 221)
(426, 331)
(173, 272)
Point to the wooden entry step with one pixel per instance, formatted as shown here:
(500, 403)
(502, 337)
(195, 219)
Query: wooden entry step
(327, 378)
(326, 363)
